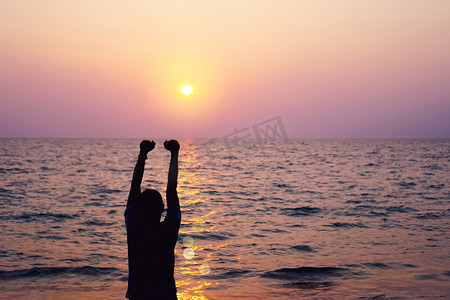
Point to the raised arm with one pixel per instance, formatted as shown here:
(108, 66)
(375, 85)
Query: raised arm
(135, 191)
(171, 193)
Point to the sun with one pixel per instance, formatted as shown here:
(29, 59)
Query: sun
(186, 89)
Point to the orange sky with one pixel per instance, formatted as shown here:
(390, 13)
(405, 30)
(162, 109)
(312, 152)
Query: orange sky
(330, 69)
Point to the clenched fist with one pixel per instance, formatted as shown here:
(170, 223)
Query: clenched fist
(147, 146)
(172, 146)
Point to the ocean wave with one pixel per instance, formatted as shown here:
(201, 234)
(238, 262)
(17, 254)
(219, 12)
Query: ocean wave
(118, 170)
(370, 165)
(432, 167)
(214, 237)
(387, 265)
(401, 209)
(380, 297)
(43, 272)
(308, 192)
(275, 230)
(300, 211)
(16, 171)
(346, 225)
(44, 168)
(376, 214)
(406, 185)
(354, 201)
(93, 204)
(231, 273)
(365, 207)
(306, 273)
(377, 265)
(5, 191)
(230, 157)
(28, 217)
(436, 186)
(303, 248)
(282, 185)
(308, 285)
(96, 222)
(107, 191)
(428, 216)
(52, 237)
(427, 277)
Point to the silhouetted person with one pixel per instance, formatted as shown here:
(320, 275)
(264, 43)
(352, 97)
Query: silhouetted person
(151, 243)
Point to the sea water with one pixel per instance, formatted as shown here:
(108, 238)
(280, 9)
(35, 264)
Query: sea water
(302, 219)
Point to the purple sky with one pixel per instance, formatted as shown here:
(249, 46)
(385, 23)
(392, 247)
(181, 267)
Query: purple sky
(344, 69)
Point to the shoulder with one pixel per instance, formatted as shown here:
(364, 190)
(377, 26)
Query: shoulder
(131, 215)
(174, 214)
(173, 218)
(130, 209)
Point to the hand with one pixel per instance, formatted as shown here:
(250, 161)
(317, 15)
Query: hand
(147, 146)
(172, 146)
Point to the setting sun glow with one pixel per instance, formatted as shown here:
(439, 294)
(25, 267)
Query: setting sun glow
(187, 89)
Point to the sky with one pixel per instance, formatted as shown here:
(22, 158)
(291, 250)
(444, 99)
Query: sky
(328, 69)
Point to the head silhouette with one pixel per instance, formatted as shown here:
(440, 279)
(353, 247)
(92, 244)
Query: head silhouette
(151, 204)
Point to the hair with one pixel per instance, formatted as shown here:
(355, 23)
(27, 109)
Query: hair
(151, 202)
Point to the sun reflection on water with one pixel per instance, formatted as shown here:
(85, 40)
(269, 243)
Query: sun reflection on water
(195, 290)
(192, 261)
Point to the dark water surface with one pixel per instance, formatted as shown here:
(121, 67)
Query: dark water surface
(314, 219)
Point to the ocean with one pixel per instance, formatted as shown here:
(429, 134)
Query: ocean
(302, 219)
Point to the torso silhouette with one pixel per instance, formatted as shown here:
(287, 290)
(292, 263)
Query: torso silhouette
(151, 255)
